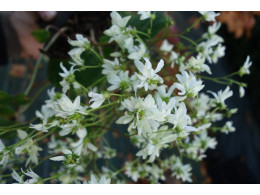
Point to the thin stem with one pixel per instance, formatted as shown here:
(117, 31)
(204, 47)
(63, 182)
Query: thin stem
(213, 79)
(188, 39)
(192, 26)
(142, 33)
(96, 54)
(50, 43)
(96, 82)
(24, 108)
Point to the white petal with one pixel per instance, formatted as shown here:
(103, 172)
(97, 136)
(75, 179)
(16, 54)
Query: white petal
(58, 158)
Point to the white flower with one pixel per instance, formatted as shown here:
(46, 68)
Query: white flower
(188, 85)
(68, 78)
(67, 128)
(131, 171)
(174, 59)
(181, 171)
(245, 68)
(154, 142)
(149, 79)
(209, 15)
(77, 146)
(47, 112)
(97, 99)
(65, 107)
(202, 105)
(110, 66)
(118, 31)
(207, 49)
(28, 147)
(95, 180)
(75, 56)
(221, 97)
(197, 64)
(17, 177)
(5, 155)
(212, 29)
(166, 47)
(120, 81)
(144, 14)
(113, 31)
(2, 146)
(241, 91)
(137, 52)
(143, 113)
(34, 177)
(61, 158)
(161, 92)
(66, 73)
(181, 121)
(80, 41)
(219, 52)
(166, 108)
(197, 148)
(228, 128)
(44, 126)
(118, 20)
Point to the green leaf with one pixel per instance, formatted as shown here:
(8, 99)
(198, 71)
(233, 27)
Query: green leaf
(89, 75)
(13, 100)
(5, 122)
(6, 111)
(85, 77)
(41, 35)
(54, 69)
(104, 39)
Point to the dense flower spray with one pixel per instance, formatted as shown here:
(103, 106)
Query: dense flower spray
(161, 110)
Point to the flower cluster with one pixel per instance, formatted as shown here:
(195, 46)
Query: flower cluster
(161, 108)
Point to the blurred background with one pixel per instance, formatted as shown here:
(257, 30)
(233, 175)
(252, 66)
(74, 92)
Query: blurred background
(237, 157)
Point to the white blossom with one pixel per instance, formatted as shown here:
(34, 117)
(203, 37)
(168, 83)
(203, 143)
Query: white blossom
(68, 78)
(34, 177)
(209, 15)
(221, 96)
(149, 79)
(95, 180)
(241, 91)
(245, 68)
(143, 113)
(110, 66)
(28, 147)
(97, 99)
(161, 93)
(80, 41)
(197, 64)
(5, 155)
(181, 121)
(120, 81)
(188, 85)
(154, 142)
(144, 14)
(228, 127)
(197, 148)
(66, 107)
(166, 47)
(181, 171)
(75, 56)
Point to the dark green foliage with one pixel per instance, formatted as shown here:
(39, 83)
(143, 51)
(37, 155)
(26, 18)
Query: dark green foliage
(41, 35)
